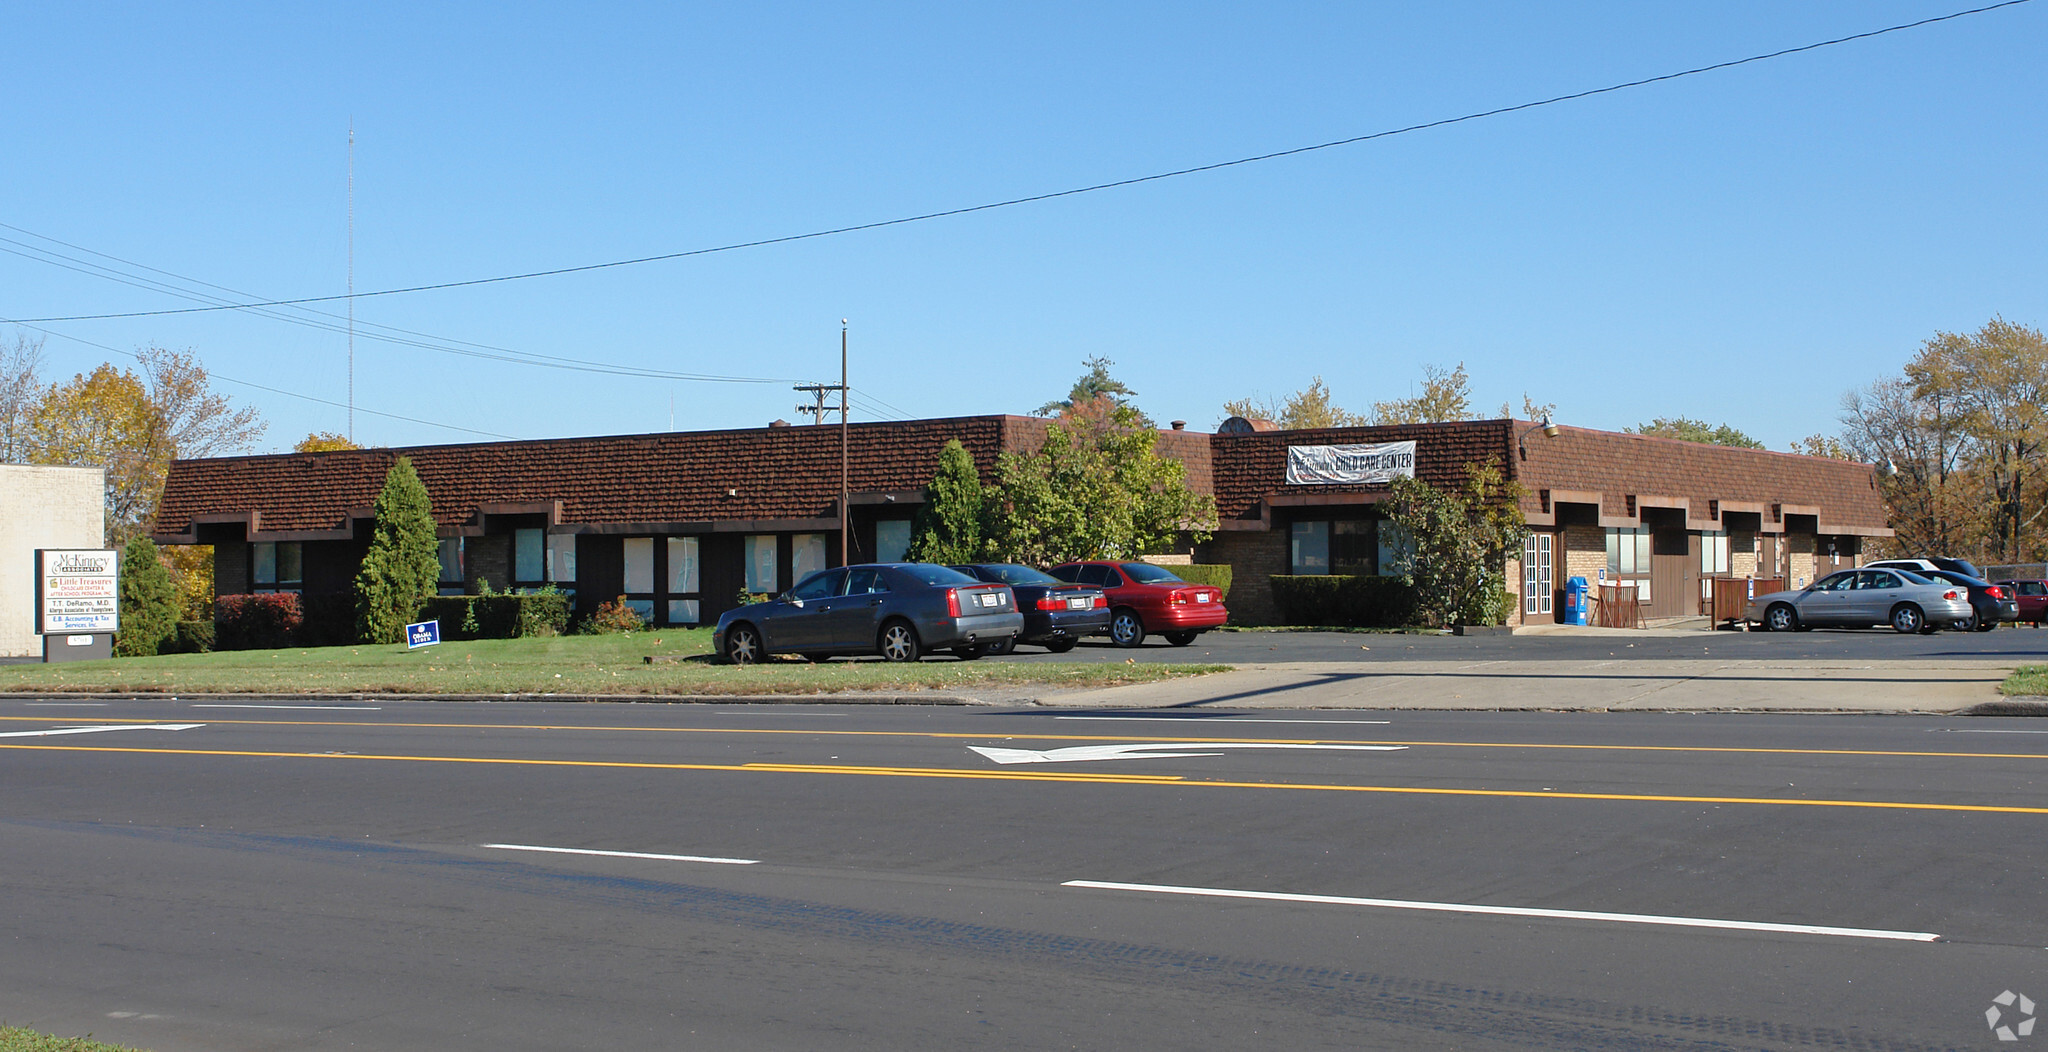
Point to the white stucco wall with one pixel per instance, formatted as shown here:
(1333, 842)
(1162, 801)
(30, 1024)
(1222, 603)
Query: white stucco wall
(41, 508)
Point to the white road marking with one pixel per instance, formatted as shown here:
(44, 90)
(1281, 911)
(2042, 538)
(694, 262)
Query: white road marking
(627, 854)
(1145, 751)
(316, 708)
(1214, 719)
(771, 712)
(1982, 730)
(1517, 911)
(64, 704)
(109, 727)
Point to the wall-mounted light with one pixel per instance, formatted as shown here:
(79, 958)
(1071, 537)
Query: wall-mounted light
(1549, 431)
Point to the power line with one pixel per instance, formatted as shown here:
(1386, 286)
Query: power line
(275, 390)
(423, 341)
(1036, 198)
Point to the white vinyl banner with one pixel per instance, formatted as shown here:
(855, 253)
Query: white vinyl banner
(78, 591)
(1350, 465)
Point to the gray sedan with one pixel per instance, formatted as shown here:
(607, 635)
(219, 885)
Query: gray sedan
(1856, 598)
(897, 610)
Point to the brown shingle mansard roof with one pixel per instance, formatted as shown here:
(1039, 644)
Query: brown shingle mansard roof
(780, 473)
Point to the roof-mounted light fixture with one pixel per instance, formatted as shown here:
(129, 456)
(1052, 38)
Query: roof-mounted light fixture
(1549, 431)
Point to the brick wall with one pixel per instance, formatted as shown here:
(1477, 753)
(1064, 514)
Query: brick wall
(1800, 560)
(1254, 557)
(1585, 552)
(487, 558)
(1742, 553)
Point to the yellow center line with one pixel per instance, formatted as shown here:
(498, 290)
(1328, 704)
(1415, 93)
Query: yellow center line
(1058, 776)
(1027, 736)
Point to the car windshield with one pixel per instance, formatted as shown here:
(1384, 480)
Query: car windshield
(1011, 573)
(1961, 566)
(1963, 579)
(933, 574)
(1146, 573)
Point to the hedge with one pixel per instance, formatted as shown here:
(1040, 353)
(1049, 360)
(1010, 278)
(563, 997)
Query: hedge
(1340, 599)
(498, 616)
(194, 637)
(257, 622)
(1216, 574)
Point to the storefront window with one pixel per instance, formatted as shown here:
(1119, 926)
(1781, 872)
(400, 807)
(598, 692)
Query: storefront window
(1309, 547)
(1713, 551)
(806, 554)
(761, 562)
(1352, 547)
(527, 546)
(276, 566)
(684, 574)
(450, 555)
(1628, 550)
(561, 554)
(1396, 549)
(639, 564)
(1537, 573)
(892, 540)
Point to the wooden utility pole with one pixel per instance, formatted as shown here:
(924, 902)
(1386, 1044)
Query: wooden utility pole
(845, 489)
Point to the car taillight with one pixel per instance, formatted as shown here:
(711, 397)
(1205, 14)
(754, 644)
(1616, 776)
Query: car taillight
(1101, 601)
(1052, 602)
(1995, 592)
(1178, 598)
(952, 602)
(1950, 594)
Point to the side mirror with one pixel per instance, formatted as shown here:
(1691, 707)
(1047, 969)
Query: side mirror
(792, 600)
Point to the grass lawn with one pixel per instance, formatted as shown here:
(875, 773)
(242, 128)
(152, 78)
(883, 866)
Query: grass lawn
(15, 1039)
(2030, 679)
(614, 664)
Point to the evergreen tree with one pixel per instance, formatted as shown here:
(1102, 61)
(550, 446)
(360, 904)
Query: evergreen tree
(402, 567)
(149, 601)
(948, 527)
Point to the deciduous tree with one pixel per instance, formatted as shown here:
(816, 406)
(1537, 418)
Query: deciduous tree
(1460, 540)
(1096, 489)
(402, 567)
(21, 389)
(1690, 430)
(323, 442)
(1309, 407)
(1445, 396)
(1093, 385)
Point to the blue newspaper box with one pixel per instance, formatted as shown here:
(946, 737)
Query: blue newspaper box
(1575, 606)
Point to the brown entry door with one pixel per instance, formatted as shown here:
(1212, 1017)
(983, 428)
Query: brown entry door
(1674, 592)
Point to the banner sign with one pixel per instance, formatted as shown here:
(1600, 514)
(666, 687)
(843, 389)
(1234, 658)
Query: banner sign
(424, 634)
(77, 591)
(1350, 465)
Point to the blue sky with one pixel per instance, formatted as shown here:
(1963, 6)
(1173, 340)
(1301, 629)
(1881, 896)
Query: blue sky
(1741, 246)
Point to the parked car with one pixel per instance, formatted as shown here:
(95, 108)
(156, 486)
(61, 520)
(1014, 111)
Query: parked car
(897, 610)
(1858, 598)
(1989, 603)
(1921, 566)
(1056, 614)
(2032, 598)
(1146, 598)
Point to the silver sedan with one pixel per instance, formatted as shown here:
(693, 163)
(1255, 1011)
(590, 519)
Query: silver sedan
(1858, 598)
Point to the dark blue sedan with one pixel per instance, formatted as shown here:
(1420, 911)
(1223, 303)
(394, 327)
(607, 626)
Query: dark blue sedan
(897, 610)
(1056, 614)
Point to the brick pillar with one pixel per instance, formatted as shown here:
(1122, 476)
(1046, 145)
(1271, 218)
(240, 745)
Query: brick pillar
(1254, 557)
(230, 568)
(487, 559)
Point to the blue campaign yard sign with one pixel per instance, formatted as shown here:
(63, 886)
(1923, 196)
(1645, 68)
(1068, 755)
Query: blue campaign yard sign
(424, 634)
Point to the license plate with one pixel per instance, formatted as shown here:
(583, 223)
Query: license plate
(1080, 604)
(989, 599)
(1203, 597)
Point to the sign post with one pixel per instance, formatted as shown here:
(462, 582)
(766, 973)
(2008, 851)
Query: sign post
(78, 602)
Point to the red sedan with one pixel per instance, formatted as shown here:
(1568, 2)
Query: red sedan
(1146, 598)
(2033, 599)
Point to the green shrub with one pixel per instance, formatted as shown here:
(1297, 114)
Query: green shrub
(1215, 574)
(194, 637)
(1491, 605)
(498, 616)
(1339, 599)
(148, 601)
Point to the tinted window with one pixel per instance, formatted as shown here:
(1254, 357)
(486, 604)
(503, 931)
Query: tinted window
(1069, 572)
(2033, 588)
(1010, 573)
(866, 581)
(1916, 577)
(1883, 579)
(927, 573)
(1146, 573)
(818, 585)
(1836, 583)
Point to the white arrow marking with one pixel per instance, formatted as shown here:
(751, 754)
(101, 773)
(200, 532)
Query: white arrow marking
(1145, 751)
(110, 727)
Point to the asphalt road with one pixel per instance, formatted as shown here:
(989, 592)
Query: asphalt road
(2023, 645)
(295, 876)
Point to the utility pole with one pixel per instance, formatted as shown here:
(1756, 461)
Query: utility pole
(817, 410)
(351, 280)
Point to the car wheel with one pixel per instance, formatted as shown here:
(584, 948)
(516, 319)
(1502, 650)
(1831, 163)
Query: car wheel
(1987, 626)
(1965, 624)
(1126, 629)
(1181, 639)
(998, 648)
(899, 642)
(1781, 618)
(1907, 619)
(1060, 646)
(743, 645)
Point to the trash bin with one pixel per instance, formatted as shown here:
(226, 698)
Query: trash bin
(1575, 605)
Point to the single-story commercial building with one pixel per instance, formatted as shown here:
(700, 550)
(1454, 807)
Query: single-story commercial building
(682, 523)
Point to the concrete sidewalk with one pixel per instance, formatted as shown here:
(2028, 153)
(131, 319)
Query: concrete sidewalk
(1701, 685)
